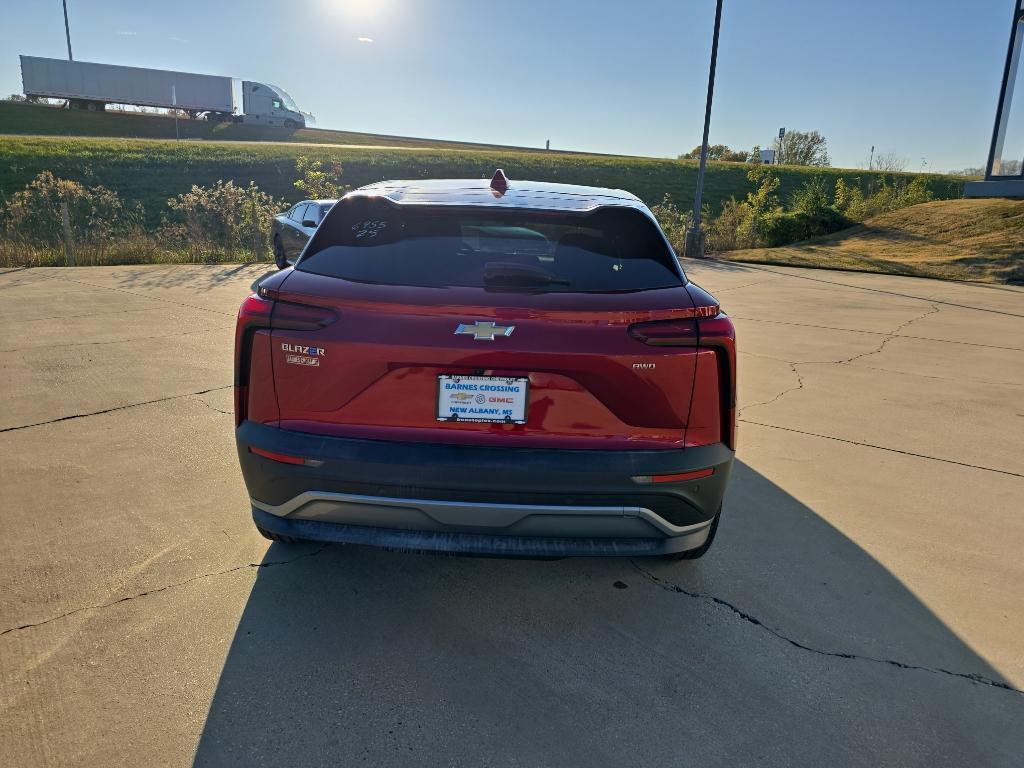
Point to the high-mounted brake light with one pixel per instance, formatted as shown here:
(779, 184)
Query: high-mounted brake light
(499, 182)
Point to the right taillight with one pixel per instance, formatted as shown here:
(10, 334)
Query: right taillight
(667, 333)
(705, 331)
(719, 334)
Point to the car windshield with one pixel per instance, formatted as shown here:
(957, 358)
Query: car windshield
(608, 250)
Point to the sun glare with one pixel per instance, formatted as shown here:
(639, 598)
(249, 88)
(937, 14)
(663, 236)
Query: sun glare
(359, 10)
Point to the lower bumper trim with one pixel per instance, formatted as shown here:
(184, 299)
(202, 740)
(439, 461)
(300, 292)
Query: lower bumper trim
(347, 508)
(476, 543)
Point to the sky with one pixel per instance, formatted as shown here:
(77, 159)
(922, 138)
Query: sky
(918, 78)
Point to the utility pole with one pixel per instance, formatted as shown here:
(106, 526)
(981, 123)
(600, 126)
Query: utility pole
(693, 247)
(871, 160)
(174, 102)
(67, 30)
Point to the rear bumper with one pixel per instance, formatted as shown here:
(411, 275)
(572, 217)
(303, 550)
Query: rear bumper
(481, 500)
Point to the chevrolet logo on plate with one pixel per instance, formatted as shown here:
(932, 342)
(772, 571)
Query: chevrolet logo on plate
(484, 331)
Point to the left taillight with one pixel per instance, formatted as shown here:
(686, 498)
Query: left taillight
(264, 310)
(255, 313)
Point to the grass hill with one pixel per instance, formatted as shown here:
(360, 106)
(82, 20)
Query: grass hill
(42, 120)
(152, 170)
(981, 240)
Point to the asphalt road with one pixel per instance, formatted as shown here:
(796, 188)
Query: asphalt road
(862, 605)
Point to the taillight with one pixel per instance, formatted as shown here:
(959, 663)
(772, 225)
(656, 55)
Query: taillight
(667, 333)
(263, 310)
(255, 313)
(709, 328)
(299, 317)
(719, 334)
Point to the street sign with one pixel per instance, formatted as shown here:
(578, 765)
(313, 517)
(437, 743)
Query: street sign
(782, 133)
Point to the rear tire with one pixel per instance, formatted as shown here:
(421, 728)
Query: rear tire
(279, 256)
(277, 536)
(699, 552)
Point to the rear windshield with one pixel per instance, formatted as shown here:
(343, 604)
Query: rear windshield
(374, 241)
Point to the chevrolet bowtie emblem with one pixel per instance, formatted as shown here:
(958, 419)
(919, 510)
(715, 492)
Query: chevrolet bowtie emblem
(484, 331)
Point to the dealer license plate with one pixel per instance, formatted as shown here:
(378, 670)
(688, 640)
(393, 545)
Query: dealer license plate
(489, 399)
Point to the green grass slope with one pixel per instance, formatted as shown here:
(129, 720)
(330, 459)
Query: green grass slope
(980, 240)
(19, 118)
(150, 171)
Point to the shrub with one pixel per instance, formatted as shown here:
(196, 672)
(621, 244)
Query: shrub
(811, 197)
(33, 223)
(96, 213)
(730, 230)
(222, 222)
(673, 222)
(793, 226)
(890, 195)
(316, 183)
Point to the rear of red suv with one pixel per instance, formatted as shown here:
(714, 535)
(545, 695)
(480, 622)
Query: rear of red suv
(514, 369)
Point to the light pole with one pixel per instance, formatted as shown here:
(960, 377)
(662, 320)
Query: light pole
(694, 245)
(67, 30)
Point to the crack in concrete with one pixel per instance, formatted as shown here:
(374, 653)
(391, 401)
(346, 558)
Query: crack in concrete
(747, 285)
(957, 380)
(846, 361)
(112, 341)
(670, 586)
(873, 333)
(111, 410)
(783, 393)
(883, 448)
(793, 365)
(213, 408)
(164, 588)
(889, 336)
(895, 293)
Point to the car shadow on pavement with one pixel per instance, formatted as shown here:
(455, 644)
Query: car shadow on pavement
(788, 644)
(194, 277)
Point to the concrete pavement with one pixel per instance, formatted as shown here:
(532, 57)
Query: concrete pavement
(862, 605)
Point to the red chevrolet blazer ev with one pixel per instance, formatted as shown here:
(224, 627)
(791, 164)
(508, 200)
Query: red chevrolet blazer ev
(489, 367)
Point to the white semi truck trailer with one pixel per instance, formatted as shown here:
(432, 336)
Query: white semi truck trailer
(86, 85)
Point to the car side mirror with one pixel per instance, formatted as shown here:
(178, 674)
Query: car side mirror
(309, 223)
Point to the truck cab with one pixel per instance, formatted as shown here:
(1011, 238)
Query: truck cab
(269, 105)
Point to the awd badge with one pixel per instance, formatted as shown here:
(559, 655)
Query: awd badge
(296, 354)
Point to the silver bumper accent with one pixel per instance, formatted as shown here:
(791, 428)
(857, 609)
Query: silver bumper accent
(429, 514)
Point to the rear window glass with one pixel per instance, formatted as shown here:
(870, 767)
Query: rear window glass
(374, 241)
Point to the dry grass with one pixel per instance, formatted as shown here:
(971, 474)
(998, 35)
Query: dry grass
(139, 248)
(977, 240)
